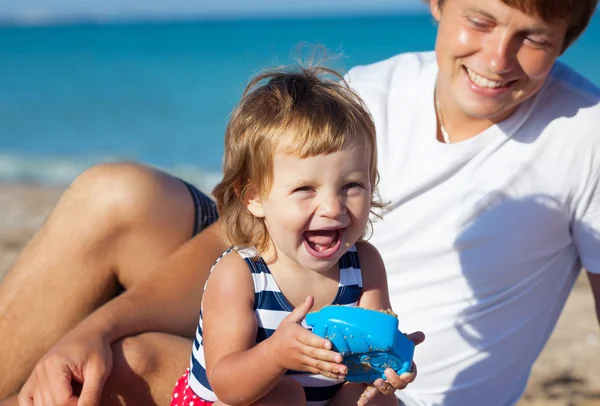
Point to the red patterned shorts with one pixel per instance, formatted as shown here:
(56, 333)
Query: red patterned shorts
(184, 396)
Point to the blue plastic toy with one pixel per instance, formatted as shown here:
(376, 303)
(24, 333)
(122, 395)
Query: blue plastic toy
(369, 340)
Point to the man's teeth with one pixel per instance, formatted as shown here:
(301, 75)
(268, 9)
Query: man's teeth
(483, 82)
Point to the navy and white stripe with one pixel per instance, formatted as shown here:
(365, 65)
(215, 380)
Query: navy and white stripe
(270, 308)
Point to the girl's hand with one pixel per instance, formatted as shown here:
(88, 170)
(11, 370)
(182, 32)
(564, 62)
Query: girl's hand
(294, 347)
(393, 381)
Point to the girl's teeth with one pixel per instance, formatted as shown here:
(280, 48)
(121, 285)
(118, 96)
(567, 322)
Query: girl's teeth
(483, 82)
(321, 240)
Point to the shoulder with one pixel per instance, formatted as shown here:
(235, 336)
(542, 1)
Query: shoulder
(397, 75)
(391, 89)
(231, 272)
(369, 257)
(389, 73)
(570, 98)
(570, 83)
(567, 111)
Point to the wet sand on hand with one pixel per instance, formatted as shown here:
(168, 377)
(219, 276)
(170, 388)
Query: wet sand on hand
(566, 374)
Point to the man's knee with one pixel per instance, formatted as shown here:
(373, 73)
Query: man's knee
(135, 208)
(127, 191)
(134, 358)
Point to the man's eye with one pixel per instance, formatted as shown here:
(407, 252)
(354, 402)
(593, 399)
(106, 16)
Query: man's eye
(479, 24)
(538, 42)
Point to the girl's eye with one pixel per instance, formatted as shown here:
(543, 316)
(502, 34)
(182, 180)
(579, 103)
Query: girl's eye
(303, 189)
(352, 185)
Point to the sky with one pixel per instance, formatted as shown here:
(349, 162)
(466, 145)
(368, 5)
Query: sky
(35, 11)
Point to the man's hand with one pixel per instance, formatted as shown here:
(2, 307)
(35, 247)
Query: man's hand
(75, 359)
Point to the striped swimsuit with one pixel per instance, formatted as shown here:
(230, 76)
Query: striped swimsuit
(270, 308)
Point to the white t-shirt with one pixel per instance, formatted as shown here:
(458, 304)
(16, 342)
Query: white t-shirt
(484, 238)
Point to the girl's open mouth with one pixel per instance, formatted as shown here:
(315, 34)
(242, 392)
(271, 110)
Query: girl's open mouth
(323, 244)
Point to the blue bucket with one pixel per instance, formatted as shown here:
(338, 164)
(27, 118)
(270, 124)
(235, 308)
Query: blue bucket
(369, 340)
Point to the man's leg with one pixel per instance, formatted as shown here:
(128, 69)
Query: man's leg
(113, 225)
(145, 370)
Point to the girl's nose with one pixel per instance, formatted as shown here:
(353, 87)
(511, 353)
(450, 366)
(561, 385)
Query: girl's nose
(332, 206)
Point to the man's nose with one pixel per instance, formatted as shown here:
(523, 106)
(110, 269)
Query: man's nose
(501, 52)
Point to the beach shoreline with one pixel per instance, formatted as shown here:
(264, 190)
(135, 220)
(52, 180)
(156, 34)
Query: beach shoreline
(563, 375)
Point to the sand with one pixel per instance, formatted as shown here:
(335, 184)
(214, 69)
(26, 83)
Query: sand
(563, 375)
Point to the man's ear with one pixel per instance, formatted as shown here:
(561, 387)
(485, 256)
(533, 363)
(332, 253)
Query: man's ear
(253, 202)
(434, 7)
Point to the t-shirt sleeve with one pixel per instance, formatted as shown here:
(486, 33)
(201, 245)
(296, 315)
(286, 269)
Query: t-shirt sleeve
(585, 226)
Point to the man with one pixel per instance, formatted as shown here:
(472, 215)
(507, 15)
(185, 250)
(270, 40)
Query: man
(489, 156)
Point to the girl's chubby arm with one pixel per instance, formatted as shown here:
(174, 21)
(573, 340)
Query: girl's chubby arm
(376, 296)
(375, 288)
(240, 371)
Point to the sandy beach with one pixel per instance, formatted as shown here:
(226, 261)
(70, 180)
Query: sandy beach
(566, 373)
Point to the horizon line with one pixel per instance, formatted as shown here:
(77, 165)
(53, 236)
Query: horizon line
(32, 18)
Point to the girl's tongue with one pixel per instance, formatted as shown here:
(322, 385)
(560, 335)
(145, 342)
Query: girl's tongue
(322, 243)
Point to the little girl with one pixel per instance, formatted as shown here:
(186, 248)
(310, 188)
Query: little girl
(299, 176)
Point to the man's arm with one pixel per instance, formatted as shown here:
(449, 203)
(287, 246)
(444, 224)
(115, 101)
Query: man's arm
(167, 300)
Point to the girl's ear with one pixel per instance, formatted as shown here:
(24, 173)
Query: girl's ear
(253, 202)
(436, 12)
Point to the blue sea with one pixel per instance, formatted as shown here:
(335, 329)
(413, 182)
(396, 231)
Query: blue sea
(78, 94)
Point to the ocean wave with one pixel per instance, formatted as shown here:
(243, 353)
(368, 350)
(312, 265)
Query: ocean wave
(62, 171)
